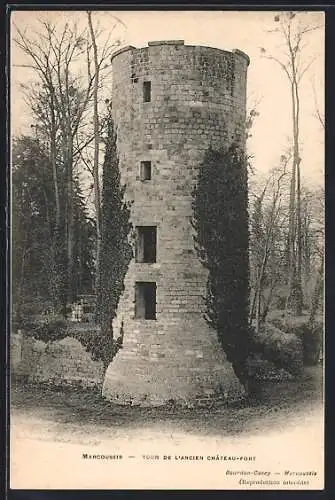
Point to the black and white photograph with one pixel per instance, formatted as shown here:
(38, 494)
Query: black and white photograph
(167, 249)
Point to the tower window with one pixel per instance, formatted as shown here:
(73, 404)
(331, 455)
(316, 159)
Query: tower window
(145, 300)
(146, 244)
(145, 171)
(146, 91)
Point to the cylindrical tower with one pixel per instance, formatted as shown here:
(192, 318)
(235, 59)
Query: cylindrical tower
(170, 103)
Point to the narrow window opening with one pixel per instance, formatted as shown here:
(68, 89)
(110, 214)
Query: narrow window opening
(146, 244)
(145, 300)
(146, 91)
(145, 171)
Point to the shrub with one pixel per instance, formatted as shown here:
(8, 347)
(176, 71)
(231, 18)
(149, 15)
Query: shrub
(284, 350)
(34, 307)
(89, 337)
(46, 331)
(281, 303)
(261, 369)
(311, 335)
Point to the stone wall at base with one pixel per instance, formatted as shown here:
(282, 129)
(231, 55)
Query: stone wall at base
(63, 362)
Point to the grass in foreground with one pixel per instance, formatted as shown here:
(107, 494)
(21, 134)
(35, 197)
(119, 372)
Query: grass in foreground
(278, 403)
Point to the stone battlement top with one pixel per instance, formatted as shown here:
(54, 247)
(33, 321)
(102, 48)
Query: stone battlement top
(166, 42)
(177, 42)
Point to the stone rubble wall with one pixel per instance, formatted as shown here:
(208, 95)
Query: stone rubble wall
(63, 362)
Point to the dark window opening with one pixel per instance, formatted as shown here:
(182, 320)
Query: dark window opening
(146, 91)
(145, 171)
(146, 244)
(145, 300)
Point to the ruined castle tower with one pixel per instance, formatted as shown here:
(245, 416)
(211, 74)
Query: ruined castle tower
(170, 102)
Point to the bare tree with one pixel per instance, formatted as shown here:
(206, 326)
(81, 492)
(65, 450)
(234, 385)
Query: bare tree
(252, 115)
(268, 221)
(60, 104)
(96, 138)
(52, 54)
(317, 250)
(101, 73)
(293, 30)
(318, 210)
(318, 114)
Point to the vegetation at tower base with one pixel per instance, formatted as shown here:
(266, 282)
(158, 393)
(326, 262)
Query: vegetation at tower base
(116, 251)
(220, 220)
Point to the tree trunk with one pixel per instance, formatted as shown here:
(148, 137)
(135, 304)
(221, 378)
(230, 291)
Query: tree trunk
(258, 308)
(53, 155)
(253, 305)
(299, 294)
(295, 295)
(70, 219)
(298, 287)
(96, 153)
(316, 296)
(313, 337)
(20, 288)
(56, 245)
(293, 301)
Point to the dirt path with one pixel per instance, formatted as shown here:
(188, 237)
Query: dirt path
(51, 430)
(83, 412)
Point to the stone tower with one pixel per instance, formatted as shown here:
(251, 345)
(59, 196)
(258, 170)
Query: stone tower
(170, 102)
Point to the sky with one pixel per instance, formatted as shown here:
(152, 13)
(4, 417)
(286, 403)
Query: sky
(267, 88)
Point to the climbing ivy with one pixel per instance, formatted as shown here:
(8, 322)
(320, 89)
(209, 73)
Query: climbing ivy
(116, 250)
(220, 221)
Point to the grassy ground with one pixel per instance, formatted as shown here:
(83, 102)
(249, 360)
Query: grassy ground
(52, 429)
(79, 413)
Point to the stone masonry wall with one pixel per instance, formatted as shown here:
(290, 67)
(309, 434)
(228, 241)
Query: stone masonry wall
(60, 363)
(198, 99)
